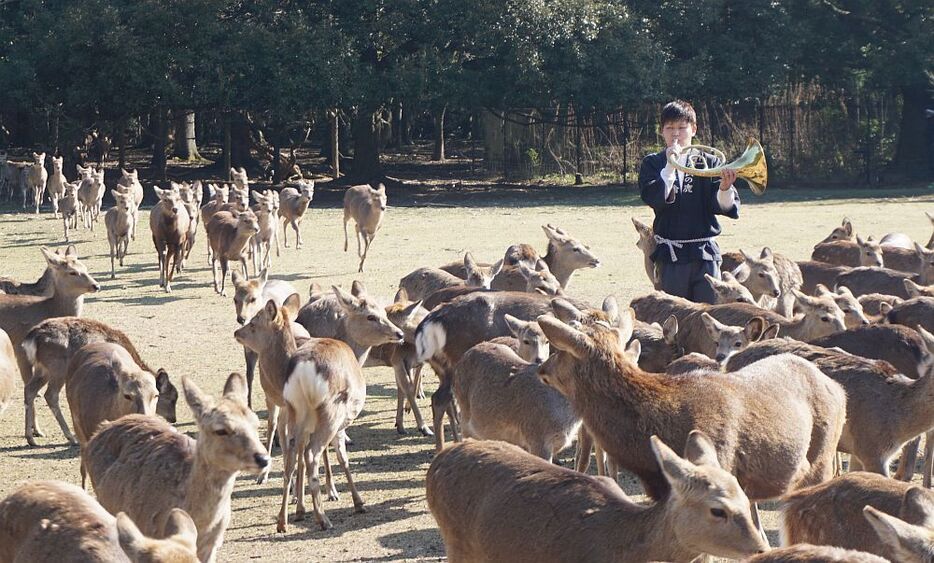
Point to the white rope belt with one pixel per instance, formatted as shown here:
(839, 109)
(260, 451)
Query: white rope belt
(672, 244)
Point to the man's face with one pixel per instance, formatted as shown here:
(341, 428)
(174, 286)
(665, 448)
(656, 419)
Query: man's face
(680, 131)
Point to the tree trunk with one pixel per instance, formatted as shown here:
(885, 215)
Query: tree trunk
(366, 164)
(160, 132)
(438, 117)
(912, 156)
(241, 142)
(396, 125)
(405, 126)
(335, 144)
(121, 144)
(186, 144)
(227, 145)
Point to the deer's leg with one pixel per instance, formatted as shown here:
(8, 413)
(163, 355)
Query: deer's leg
(285, 232)
(439, 404)
(224, 268)
(600, 456)
(31, 391)
(906, 464)
(52, 395)
(328, 474)
(113, 252)
(341, 447)
(272, 416)
(359, 231)
(296, 224)
(316, 446)
(214, 273)
(584, 445)
(345, 231)
(928, 459)
(251, 358)
(288, 458)
(754, 510)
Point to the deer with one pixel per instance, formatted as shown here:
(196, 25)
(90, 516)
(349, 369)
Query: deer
(366, 206)
(50, 346)
(20, 313)
(130, 185)
(105, 383)
(915, 312)
(119, 222)
(203, 472)
(191, 198)
(90, 194)
(771, 275)
(423, 282)
(169, 222)
(884, 409)
(647, 245)
(406, 315)
(883, 280)
(293, 202)
(500, 397)
(266, 210)
(250, 296)
(57, 183)
(722, 340)
(621, 404)
(447, 332)
(322, 389)
(68, 206)
(833, 513)
(815, 273)
(709, 512)
(57, 521)
(915, 290)
(36, 178)
(230, 236)
(853, 314)
(9, 372)
(219, 197)
(729, 290)
(850, 252)
(41, 287)
(843, 232)
(872, 304)
(930, 244)
(240, 179)
(805, 552)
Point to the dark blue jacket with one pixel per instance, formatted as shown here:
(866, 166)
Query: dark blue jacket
(691, 214)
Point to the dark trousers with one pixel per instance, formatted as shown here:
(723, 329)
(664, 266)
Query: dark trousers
(686, 279)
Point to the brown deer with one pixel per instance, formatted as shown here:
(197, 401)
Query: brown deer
(9, 373)
(872, 304)
(853, 314)
(807, 553)
(191, 195)
(843, 232)
(771, 275)
(36, 178)
(850, 252)
(815, 273)
(19, 313)
(105, 383)
(144, 467)
(423, 282)
(647, 245)
(366, 206)
(892, 282)
(293, 202)
(219, 197)
(832, 513)
(57, 183)
(322, 390)
(56, 521)
(119, 222)
(50, 346)
(90, 194)
(621, 405)
(915, 312)
(729, 290)
(41, 287)
(68, 205)
(884, 409)
(169, 222)
(229, 235)
(915, 290)
(240, 179)
(709, 513)
(266, 210)
(129, 184)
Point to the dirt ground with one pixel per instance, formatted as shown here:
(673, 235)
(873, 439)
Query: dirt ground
(189, 332)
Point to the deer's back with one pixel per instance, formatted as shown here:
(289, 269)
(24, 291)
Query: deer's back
(899, 345)
(864, 280)
(838, 253)
(43, 286)
(917, 311)
(657, 306)
(140, 464)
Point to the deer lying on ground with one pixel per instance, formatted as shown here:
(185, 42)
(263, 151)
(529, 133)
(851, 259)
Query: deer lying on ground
(815, 273)
(884, 408)
(915, 290)
(770, 449)
(229, 236)
(872, 304)
(770, 275)
(709, 513)
(250, 296)
(853, 314)
(9, 372)
(366, 206)
(50, 346)
(56, 521)
(266, 210)
(647, 245)
(20, 313)
(852, 253)
(832, 513)
(57, 183)
(119, 222)
(322, 389)
(90, 194)
(130, 185)
(406, 315)
(41, 287)
(729, 290)
(843, 232)
(807, 553)
(915, 312)
(293, 202)
(131, 460)
(500, 397)
(104, 383)
(68, 205)
(423, 282)
(36, 178)
(882, 280)
(169, 222)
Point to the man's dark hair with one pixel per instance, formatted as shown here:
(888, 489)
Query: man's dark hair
(678, 110)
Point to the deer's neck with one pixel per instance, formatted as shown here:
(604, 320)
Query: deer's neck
(208, 501)
(63, 304)
(346, 333)
(645, 533)
(274, 360)
(558, 268)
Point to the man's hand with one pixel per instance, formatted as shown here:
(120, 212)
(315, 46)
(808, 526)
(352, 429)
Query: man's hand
(727, 179)
(675, 149)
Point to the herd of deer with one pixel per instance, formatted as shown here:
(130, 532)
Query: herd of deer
(798, 363)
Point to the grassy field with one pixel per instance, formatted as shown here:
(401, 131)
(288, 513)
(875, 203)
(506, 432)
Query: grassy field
(189, 332)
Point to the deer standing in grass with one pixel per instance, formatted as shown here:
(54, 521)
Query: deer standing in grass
(366, 206)
(169, 222)
(56, 521)
(57, 183)
(68, 206)
(527, 503)
(129, 184)
(90, 194)
(144, 467)
(266, 210)
(229, 235)
(36, 178)
(293, 202)
(105, 383)
(119, 221)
